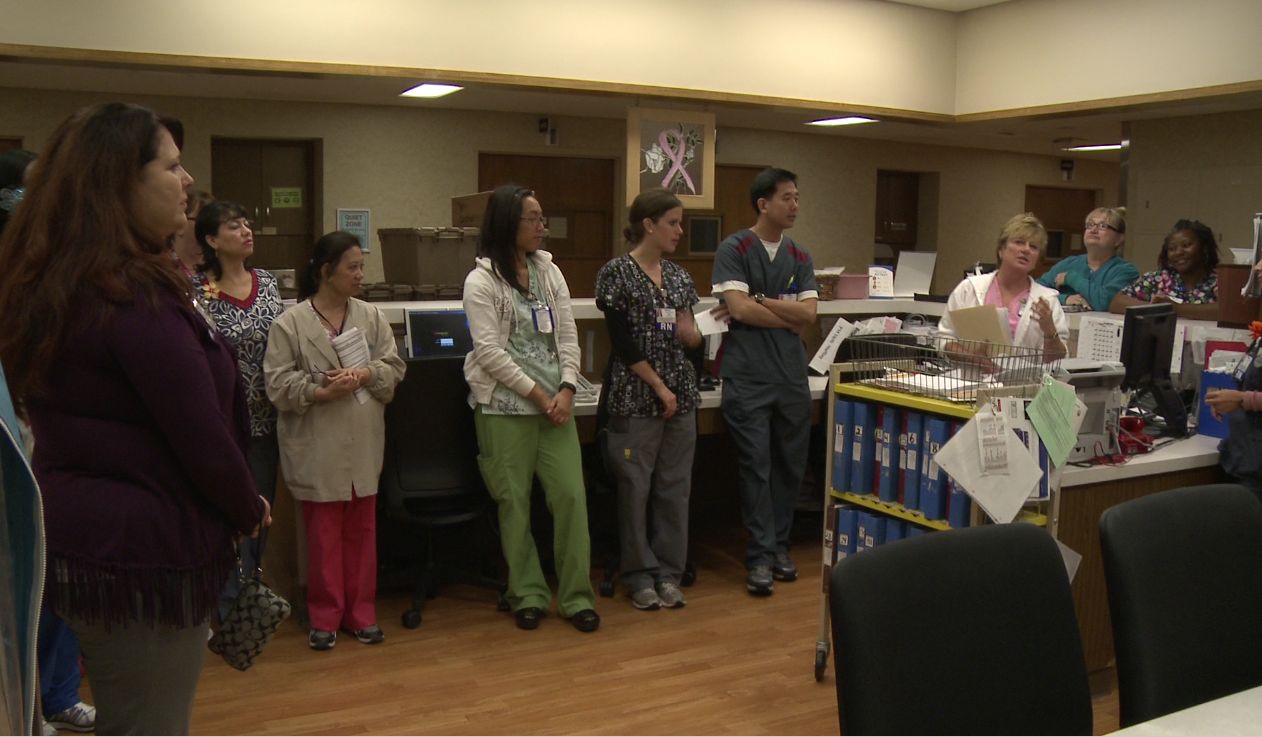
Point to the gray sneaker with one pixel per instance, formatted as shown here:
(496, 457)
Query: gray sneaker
(645, 599)
(783, 568)
(670, 595)
(758, 581)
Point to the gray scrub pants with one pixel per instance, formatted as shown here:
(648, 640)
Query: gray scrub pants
(143, 677)
(770, 425)
(652, 460)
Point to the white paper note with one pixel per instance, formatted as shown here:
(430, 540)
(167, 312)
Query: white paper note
(708, 324)
(828, 349)
(1000, 496)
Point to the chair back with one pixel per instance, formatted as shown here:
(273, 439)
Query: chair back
(968, 631)
(1184, 576)
(430, 470)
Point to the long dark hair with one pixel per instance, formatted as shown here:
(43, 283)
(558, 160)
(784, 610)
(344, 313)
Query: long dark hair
(209, 220)
(75, 240)
(327, 251)
(500, 223)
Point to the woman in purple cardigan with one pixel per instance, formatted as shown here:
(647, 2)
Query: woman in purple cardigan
(136, 407)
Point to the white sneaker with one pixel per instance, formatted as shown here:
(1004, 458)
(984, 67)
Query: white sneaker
(79, 718)
(47, 729)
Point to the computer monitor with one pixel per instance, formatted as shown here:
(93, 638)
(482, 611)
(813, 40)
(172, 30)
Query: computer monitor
(1147, 347)
(437, 333)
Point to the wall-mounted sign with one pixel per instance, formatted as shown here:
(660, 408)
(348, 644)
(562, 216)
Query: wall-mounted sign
(358, 223)
(286, 197)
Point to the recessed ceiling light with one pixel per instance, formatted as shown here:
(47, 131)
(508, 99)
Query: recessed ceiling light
(834, 122)
(1096, 147)
(431, 90)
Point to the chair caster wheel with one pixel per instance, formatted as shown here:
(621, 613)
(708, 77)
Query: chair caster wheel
(606, 588)
(688, 578)
(502, 604)
(821, 662)
(412, 619)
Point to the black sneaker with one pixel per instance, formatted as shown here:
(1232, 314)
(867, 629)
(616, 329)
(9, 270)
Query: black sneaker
(758, 581)
(783, 569)
(586, 620)
(321, 640)
(370, 635)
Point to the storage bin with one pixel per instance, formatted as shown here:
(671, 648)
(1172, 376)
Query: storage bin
(1205, 422)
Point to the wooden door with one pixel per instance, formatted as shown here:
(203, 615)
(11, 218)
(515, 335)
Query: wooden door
(1063, 210)
(732, 212)
(577, 195)
(276, 183)
(897, 202)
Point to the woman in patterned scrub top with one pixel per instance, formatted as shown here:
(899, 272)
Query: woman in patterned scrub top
(243, 302)
(652, 397)
(1186, 278)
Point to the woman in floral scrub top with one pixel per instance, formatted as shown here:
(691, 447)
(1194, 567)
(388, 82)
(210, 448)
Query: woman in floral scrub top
(1186, 278)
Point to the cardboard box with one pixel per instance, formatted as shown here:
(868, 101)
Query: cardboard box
(467, 209)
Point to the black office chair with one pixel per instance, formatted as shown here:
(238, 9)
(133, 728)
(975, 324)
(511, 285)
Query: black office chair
(1184, 575)
(968, 631)
(430, 476)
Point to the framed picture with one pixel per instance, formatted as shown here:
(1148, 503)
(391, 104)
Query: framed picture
(672, 149)
(704, 233)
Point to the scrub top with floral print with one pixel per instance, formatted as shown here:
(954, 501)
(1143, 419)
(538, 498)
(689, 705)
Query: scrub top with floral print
(1168, 281)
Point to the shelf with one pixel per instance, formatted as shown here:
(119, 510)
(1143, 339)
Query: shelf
(894, 509)
(909, 401)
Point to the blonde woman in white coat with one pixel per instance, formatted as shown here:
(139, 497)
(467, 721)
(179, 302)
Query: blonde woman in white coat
(1035, 317)
(331, 432)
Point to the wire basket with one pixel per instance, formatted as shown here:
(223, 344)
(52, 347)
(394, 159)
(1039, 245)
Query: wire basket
(943, 367)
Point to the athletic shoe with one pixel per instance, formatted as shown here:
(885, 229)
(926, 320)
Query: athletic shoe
(646, 599)
(321, 640)
(670, 595)
(79, 718)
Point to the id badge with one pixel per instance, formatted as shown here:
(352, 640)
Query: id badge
(1243, 365)
(542, 315)
(666, 319)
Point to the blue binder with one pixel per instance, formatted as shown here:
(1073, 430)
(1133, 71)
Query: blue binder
(863, 448)
(887, 454)
(895, 529)
(914, 530)
(843, 436)
(932, 478)
(909, 459)
(847, 531)
(959, 505)
(871, 531)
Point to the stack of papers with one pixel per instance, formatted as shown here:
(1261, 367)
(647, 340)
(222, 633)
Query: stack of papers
(352, 352)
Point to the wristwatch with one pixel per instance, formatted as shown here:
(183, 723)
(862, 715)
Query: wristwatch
(759, 297)
(567, 385)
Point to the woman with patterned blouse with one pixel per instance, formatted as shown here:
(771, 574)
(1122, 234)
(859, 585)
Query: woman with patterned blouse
(521, 373)
(652, 392)
(1186, 278)
(243, 302)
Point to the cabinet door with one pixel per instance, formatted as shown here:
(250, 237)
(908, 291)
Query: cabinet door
(897, 201)
(274, 181)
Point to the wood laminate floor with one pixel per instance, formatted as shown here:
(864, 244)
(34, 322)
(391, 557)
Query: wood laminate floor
(727, 663)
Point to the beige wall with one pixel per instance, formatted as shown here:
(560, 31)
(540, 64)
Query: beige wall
(977, 191)
(1042, 52)
(866, 52)
(406, 164)
(837, 52)
(1207, 167)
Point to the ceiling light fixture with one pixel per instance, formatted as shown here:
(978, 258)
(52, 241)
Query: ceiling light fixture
(1095, 147)
(834, 122)
(431, 90)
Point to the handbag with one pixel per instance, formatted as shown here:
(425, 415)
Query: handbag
(256, 614)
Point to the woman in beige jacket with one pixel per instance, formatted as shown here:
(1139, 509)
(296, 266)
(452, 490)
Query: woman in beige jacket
(331, 367)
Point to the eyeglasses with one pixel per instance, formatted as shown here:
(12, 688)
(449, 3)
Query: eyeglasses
(535, 221)
(1099, 226)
